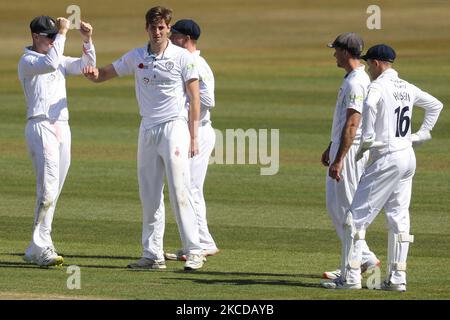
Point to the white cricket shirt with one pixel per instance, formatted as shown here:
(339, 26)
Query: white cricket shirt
(388, 111)
(43, 78)
(206, 83)
(351, 96)
(159, 81)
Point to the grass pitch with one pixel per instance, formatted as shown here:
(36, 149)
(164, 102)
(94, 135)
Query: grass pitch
(272, 70)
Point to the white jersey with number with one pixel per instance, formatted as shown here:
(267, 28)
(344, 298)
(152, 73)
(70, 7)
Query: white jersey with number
(159, 81)
(43, 78)
(351, 96)
(388, 111)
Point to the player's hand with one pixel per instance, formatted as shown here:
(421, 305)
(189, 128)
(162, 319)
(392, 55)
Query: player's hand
(420, 137)
(326, 157)
(335, 170)
(193, 150)
(91, 73)
(63, 25)
(360, 153)
(86, 31)
(363, 147)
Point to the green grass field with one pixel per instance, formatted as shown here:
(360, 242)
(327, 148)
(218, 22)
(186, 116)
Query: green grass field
(272, 70)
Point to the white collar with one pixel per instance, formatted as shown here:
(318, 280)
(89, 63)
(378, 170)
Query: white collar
(167, 53)
(389, 73)
(28, 50)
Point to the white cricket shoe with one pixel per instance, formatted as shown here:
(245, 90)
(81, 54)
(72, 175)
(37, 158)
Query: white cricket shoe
(339, 284)
(210, 252)
(49, 258)
(389, 286)
(332, 275)
(194, 261)
(146, 263)
(368, 265)
(178, 256)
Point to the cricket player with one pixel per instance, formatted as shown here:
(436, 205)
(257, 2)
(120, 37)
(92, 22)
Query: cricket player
(42, 71)
(185, 33)
(165, 75)
(387, 181)
(344, 172)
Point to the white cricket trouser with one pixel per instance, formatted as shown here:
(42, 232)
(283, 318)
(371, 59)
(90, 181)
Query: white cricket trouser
(386, 183)
(199, 166)
(164, 149)
(340, 194)
(49, 149)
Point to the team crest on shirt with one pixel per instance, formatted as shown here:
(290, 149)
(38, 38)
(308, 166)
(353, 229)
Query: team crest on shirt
(51, 77)
(145, 80)
(169, 65)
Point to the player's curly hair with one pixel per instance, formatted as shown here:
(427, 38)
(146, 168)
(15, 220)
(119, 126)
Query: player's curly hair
(157, 14)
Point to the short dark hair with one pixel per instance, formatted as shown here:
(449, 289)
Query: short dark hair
(157, 14)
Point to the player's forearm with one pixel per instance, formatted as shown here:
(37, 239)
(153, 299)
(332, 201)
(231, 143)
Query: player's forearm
(89, 57)
(194, 117)
(368, 123)
(347, 137)
(431, 115)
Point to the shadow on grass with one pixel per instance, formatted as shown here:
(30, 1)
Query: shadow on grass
(85, 256)
(245, 274)
(246, 282)
(12, 264)
(25, 265)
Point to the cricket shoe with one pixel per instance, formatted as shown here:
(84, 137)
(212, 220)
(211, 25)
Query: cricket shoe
(178, 256)
(147, 264)
(332, 275)
(194, 262)
(339, 284)
(389, 286)
(370, 265)
(49, 258)
(210, 252)
(29, 258)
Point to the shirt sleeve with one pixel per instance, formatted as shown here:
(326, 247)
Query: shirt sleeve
(431, 105)
(189, 69)
(126, 64)
(207, 98)
(370, 112)
(33, 65)
(76, 65)
(355, 97)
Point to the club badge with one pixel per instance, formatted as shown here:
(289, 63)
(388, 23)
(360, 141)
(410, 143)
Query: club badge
(169, 65)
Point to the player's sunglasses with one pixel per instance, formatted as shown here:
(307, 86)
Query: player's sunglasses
(48, 35)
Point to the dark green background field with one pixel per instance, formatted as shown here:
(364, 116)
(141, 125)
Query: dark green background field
(272, 70)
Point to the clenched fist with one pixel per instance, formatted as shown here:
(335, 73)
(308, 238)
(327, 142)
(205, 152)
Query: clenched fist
(86, 31)
(63, 25)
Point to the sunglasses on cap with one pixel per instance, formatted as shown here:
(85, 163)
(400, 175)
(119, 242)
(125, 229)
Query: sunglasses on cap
(51, 36)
